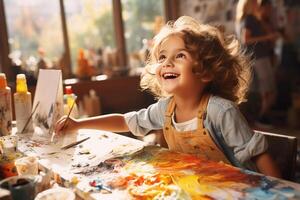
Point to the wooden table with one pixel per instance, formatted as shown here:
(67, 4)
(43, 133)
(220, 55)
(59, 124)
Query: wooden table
(111, 166)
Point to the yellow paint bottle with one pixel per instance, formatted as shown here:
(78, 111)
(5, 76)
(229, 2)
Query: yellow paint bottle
(23, 104)
(69, 98)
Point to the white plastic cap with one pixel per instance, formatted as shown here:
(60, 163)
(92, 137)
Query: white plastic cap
(2, 76)
(21, 76)
(92, 93)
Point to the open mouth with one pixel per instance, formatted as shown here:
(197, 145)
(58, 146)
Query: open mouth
(170, 75)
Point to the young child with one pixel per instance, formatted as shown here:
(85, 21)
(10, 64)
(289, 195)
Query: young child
(198, 76)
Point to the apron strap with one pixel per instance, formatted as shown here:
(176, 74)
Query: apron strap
(202, 109)
(168, 113)
(170, 108)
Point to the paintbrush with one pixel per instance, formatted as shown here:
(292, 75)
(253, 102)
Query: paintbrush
(30, 116)
(68, 116)
(65, 122)
(74, 143)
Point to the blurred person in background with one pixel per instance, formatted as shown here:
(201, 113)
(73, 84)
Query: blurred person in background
(258, 41)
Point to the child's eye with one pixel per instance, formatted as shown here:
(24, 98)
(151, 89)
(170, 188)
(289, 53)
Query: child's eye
(161, 58)
(180, 55)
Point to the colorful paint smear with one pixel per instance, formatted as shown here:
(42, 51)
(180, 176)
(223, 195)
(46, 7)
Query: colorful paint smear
(155, 173)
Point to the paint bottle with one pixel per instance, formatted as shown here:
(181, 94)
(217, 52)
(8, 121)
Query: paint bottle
(23, 105)
(69, 99)
(92, 104)
(95, 99)
(5, 107)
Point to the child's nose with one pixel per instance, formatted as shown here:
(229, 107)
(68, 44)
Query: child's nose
(167, 63)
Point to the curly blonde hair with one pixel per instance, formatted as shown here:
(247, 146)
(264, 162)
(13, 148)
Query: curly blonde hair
(216, 55)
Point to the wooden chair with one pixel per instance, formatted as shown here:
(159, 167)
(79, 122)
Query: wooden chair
(283, 150)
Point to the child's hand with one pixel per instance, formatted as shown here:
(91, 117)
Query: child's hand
(65, 124)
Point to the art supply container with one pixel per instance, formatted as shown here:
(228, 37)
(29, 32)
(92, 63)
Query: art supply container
(23, 105)
(5, 107)
(27, 165)
(5, 194)
(8, 144)
(8, 154)
(92, 105)
(21, 187)
(58, 193)
(69, 99)
(7, 167)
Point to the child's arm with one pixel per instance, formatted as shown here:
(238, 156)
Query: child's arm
(266, 165)
(110, 122)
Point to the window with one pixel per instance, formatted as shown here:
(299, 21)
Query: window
(142, 20)
(90, 29)
(34, 32)
(58, 31)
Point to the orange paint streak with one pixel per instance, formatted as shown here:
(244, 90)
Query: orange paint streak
(185, 171)
(145, 187)
(172, 163)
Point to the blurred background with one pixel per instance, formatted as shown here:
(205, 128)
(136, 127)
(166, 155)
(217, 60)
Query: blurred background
(103, 45)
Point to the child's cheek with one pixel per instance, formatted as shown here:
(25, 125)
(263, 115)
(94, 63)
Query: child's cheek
(157, 74)
(158, 77)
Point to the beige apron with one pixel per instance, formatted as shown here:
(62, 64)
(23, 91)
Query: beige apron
(197, 142)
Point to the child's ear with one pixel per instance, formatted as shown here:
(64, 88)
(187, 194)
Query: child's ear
(202, 75)
(207, 78)
(197, 68)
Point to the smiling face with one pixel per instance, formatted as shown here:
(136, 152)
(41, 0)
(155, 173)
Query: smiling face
(175, 69)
